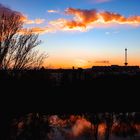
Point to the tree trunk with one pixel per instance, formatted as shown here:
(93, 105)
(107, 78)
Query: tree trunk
(91, 132)
(107, 133)
(96, 131)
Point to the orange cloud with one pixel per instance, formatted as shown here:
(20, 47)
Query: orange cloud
(36, 21)
(65, 25)
(28, 21)
(37, 30)
(84, 20)
(52, 11)
(83, 16)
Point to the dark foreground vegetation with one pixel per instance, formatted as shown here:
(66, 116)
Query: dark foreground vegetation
(40, 87)
(73, 79)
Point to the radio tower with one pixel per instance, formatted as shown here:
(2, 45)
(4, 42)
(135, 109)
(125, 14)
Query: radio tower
(125, 57)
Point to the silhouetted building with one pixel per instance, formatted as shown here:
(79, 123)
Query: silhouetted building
(115, 68)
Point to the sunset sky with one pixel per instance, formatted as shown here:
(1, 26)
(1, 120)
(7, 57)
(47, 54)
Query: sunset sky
(83, 33)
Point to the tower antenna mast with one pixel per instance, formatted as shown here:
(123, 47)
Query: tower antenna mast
(125, 57)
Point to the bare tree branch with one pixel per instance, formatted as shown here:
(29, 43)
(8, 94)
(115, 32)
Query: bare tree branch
(18, 51)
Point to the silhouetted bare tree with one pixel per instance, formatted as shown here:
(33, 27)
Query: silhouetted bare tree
(22, 55)
(10, 24)
(17, 50)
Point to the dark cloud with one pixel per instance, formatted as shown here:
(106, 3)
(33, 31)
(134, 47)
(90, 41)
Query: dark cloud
(102, 61)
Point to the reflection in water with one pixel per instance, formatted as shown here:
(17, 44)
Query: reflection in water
(75, 127)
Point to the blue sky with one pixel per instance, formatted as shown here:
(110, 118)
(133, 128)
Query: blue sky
(78, 48)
